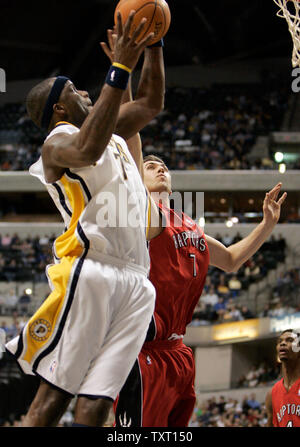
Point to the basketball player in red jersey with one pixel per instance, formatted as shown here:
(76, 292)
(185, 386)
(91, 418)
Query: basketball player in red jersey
(283, 400)
(160, 388)
(159, 391)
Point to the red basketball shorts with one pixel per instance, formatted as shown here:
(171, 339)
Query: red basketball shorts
(159, 391)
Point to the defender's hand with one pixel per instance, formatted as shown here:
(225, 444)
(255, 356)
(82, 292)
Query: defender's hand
(272, 206)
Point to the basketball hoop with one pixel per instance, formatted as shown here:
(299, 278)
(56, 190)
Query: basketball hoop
(290, 11)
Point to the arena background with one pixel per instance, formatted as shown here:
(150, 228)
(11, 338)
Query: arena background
(229, 109)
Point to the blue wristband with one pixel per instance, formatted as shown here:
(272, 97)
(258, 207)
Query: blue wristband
(117, 77)
(160, 43)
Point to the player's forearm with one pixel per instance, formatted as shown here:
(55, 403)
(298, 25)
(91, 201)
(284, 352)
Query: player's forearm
(244, 249)
(151, 88)
(149, 99)
(127, 95)
(99, 125)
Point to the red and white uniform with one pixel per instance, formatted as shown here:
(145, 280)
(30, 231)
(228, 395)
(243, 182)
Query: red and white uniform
(286, 405)
(159, 391)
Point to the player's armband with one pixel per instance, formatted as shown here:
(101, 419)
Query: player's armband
(118, 76)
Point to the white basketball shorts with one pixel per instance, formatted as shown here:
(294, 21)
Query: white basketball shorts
(86, 336)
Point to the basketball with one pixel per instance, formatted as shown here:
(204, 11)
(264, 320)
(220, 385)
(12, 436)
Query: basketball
(156, 12)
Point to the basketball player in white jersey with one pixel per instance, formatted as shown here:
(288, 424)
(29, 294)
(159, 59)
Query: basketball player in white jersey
(94, 322)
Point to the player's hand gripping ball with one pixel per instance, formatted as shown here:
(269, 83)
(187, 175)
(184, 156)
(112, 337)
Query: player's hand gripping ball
(156, 12)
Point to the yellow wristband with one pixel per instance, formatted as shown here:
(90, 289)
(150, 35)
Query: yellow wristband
(116, 64)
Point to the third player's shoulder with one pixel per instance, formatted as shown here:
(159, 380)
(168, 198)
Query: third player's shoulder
(278, 385)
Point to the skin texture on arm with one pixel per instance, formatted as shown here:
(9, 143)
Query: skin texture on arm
(149, 100)
(135, 147)
(269, 408)
(230, 259)
(134, 143)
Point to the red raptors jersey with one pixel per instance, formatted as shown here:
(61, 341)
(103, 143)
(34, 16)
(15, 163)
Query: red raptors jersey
(286, 405)
(179, 260)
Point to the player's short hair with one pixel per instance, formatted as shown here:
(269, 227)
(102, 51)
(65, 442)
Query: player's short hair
(154, 158)
(293, 332)
(289, 330)
(36, 100)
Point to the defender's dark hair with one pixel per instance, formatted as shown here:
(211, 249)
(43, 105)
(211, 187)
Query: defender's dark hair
(154, 158)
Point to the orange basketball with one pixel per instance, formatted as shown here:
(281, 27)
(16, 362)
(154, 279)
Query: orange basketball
(157, 13)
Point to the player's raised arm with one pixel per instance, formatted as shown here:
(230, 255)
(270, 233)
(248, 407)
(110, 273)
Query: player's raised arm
(231, 258)
(149, 99)
(86, 146)
(134, 143)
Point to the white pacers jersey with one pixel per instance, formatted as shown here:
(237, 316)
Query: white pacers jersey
(104, 206)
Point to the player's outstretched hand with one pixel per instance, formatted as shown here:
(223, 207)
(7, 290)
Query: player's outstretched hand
(126, 50)
(108, 48)
(272, 206)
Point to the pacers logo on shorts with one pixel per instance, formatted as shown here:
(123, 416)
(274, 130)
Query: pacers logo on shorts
(40, 330)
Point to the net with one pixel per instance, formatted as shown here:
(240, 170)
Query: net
(290, 11)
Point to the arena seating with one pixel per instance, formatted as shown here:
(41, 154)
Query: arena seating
(208, 128)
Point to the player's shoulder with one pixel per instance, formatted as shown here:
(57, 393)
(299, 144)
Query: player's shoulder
(61, 129)
(277, 386)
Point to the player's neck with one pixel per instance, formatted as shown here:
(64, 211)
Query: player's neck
(290, 373)
(161, 198)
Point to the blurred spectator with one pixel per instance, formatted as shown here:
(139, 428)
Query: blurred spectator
(210, 297)
(234, 285)
(259, 375)
(6, 240)
(293, 215)
(219, 135)
(24, 302)
(232, 314)
(252, 377)
(220, 308)
(24, 259)
(246, 313)
(253, 403)
(44, 240)
(200, 315)
(234, 414)
(222, 288)
(265, 312)
(252, 271)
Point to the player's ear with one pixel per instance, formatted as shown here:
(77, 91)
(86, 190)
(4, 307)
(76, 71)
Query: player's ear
(60, 110)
